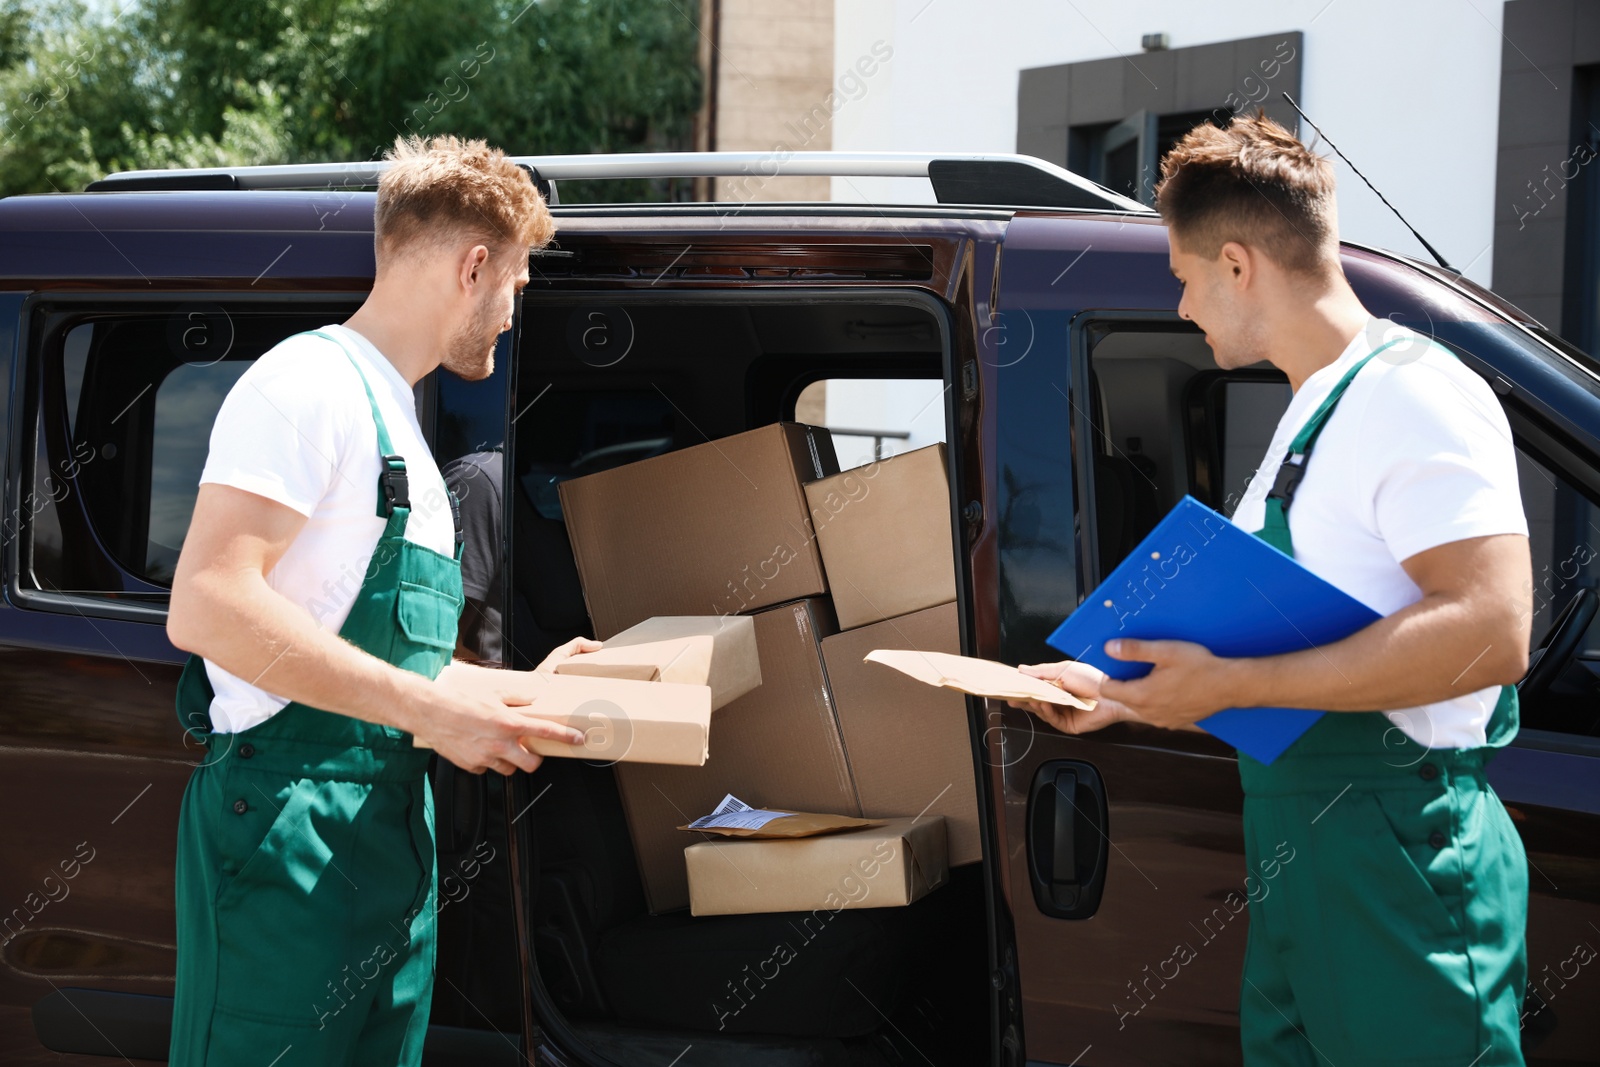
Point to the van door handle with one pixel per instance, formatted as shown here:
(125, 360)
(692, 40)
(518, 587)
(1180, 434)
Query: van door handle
(1064, 853)
(1067, 840)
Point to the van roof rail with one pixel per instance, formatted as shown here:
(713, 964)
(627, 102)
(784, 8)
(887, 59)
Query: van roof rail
(979, 179)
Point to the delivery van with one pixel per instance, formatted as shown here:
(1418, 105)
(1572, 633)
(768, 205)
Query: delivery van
(1091, 904)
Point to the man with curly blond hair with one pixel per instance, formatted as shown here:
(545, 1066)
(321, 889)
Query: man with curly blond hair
(318, 593)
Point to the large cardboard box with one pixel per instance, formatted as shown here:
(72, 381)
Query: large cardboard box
(714, 529)
(884, 532)
(776, 746)
(909, 744)
(874, 867)
(715, 650)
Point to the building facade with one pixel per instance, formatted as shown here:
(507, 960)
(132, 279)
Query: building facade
(1477, 119)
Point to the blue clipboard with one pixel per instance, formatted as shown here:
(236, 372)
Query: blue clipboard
(1200, 578)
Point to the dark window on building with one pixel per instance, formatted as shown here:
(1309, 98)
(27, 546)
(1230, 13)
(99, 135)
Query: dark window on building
(1126, 156)
(1113, 119)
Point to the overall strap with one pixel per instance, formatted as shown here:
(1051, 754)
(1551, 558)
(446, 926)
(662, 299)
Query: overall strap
(394, 491)
(1275, 531)
(1505, 718)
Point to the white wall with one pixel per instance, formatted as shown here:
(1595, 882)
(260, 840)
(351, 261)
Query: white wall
(1408, 89)
(914, 406)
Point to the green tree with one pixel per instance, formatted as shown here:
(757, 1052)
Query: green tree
(85, 91)
(584, 76)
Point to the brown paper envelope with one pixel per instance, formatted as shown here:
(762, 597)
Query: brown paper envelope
(979, 677)
(793, 824)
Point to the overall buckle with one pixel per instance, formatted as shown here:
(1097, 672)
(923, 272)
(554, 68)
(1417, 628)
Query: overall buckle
(394, 485)
(1288, 480)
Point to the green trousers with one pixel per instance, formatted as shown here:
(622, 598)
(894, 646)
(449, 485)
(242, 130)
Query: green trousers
(306, 872)
(1393, 933)
(305, 898)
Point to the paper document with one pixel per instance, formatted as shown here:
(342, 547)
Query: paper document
(735, 814)
(979, 677)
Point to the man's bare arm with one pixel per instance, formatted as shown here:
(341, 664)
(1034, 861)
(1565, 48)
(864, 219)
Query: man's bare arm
(223, 610)
(1469, 631)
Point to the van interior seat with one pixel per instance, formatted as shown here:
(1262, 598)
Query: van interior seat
(1126, 501)
(803, 974)
(636, 1045)
(547, 605)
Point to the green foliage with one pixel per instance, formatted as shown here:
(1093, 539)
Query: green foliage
(86, 90)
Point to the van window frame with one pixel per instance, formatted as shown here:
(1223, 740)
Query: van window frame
(758, 401)
(1088, 328)
(46, 318)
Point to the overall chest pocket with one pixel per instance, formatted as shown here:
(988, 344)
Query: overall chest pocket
(427, 616)
(425, 636)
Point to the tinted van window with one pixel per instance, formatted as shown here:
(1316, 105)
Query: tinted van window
(122, 418)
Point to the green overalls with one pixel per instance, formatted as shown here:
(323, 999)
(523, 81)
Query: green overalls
(306, 872)
(1386, 926)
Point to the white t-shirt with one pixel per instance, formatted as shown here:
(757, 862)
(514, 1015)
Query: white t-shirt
(1417, 454)
(297, 429)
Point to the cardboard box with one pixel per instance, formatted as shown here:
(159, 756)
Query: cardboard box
(622, 720)
(874, 867)
(715, 529)
(884, 533)
(719, 651)
(776, 746)
(909, 744)
(635, 722)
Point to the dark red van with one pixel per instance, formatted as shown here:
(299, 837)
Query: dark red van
(1101, 926)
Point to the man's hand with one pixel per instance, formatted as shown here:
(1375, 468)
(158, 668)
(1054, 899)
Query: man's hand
(1083, 682)
(567, 651)
(474, 722)
(1187, 684)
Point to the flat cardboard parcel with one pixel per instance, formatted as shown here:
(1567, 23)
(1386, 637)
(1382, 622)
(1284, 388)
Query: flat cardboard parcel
(872, 867)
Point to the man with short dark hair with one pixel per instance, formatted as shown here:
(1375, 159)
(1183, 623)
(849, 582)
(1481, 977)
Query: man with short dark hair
(1396, 934)
(318, 591)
